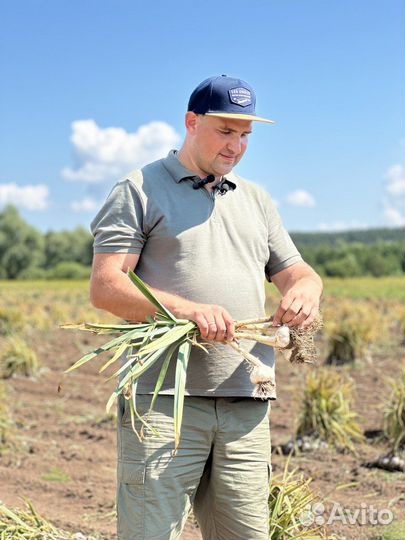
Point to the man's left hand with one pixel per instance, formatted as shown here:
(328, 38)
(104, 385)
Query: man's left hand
(301, 288)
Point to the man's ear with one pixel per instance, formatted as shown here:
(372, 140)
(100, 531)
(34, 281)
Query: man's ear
(191, 122)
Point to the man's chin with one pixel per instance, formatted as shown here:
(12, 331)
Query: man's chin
(223, 170)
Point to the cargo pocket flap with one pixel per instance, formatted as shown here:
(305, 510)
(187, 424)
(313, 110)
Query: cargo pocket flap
(131, 472)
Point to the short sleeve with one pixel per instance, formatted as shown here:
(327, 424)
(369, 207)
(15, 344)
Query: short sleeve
(119, 225)
(283, 252)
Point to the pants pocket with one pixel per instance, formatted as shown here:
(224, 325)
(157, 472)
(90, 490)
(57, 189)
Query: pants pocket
(131, 500)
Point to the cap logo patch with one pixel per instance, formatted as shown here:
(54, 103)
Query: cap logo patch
(240, 96)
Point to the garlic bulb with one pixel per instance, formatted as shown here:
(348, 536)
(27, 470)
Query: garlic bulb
(282, 337)
(261, 374)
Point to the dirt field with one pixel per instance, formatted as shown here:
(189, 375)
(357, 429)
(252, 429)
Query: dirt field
(66, 465)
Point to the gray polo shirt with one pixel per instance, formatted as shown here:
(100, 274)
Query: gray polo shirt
(210, 248)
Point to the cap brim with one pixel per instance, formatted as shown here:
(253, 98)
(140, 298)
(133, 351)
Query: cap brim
(241, 117)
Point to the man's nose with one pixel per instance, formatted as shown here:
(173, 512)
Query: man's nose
(235, 145)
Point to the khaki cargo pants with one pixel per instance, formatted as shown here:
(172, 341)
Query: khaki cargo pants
(222, 469)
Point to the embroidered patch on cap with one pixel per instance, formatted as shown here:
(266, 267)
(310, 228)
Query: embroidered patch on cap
(241, 96)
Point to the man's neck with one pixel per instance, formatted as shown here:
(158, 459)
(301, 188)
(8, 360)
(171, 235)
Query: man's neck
(189, 164)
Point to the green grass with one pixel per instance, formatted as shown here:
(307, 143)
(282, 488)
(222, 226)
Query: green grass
(55, 475)
(44, 285)
(385, 288)
(363, 287)
(393, 531)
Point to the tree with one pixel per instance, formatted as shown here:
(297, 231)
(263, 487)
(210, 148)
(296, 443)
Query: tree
(347, 266)
(68, 246)
(21, 245)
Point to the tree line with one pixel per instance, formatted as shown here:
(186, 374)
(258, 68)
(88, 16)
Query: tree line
(352, 259)
(26, 253)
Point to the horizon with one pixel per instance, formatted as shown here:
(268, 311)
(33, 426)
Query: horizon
(291, 231)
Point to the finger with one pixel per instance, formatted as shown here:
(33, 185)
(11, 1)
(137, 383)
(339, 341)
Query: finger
(212, 328)
(221, 327)
(230, 328)
(312, 316)
(202, 325)
(301, 316)
(282, 308)
(278, 315)
(292, 311)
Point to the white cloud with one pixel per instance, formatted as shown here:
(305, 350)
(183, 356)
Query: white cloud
(395, 216)
(395, 192)
(395, 180)
(28, 197)
(87, 204)
(341, 226)
(301, 198)
(108, 153)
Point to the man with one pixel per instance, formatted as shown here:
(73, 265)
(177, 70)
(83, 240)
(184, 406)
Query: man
(203, 239)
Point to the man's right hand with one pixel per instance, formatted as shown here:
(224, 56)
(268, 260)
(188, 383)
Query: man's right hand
(214, 322)
(112, 290)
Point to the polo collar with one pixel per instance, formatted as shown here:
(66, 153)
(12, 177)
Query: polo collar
(176, 169)
(179, 173)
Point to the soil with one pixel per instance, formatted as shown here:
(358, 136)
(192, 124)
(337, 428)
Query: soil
(65, 463)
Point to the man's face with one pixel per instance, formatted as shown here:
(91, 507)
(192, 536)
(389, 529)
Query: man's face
(218, 144)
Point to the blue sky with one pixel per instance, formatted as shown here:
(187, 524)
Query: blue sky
(329, 72)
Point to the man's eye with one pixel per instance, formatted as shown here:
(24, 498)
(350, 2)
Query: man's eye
(225, 132)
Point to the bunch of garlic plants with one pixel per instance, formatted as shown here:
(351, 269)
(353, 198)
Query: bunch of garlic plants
(144, 343)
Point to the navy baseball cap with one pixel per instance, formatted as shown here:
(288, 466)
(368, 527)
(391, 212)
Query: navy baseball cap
(225, 97)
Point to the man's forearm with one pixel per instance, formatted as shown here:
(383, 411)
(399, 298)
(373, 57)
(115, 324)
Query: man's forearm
(296, 274)
(118, 295)
(313, 281)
